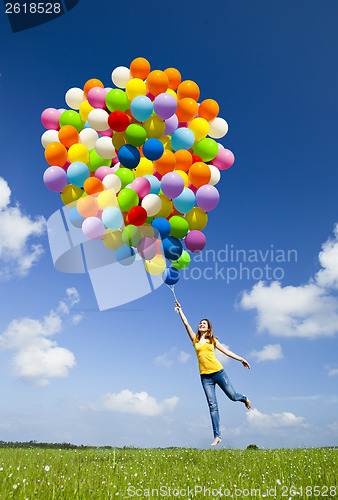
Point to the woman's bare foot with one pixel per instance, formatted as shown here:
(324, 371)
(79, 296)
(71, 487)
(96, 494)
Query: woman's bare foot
(248, 404)
(215, 441)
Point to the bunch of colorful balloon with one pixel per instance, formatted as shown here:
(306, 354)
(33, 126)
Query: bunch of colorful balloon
(138, 164)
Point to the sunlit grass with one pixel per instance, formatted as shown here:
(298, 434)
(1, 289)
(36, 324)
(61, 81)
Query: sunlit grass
(132, 473)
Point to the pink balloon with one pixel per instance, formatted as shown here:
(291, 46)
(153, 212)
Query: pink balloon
(115, 160)
(141, 186)
(224, 159)
(183, 124)
(93, 228)
(195, 241)
(97, 97)
(66, 165)
(101, 172)
(106, 133)
(151, 96)
(192, 187)
(50, 118)
(157, 175)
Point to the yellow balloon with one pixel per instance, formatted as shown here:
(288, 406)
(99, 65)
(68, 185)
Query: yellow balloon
(166, 142)
(119, 139)
(135, 87)
(145, 167)
(154, 127)
(172, 92)
(197, 219)
(156, 265)
(147, 231)
(200, 127)
(113, 239)
(70, 194)
(166, 208)
(107, 198)
(185, 177)
(85, 109)
(78, 152)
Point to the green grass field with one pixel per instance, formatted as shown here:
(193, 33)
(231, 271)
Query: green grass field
(47, 473)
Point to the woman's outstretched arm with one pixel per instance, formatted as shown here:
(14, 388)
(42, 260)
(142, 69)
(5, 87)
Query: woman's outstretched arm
(185, 321)
(221, 348)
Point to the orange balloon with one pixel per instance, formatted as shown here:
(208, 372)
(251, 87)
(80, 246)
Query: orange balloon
(166, 163)
(68, 135)
(199, 174)
(208, 109)
(157, 82)
(93, 82)
(87, 206)
(93, 185)
(188, 88)
(140, 68)
(130, 116)
(56, 154)
(187, 109)
(183, 160)
(174, 77)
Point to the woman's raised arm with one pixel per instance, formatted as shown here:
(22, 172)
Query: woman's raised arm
(185, 321)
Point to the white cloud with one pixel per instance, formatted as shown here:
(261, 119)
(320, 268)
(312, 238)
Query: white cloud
(171, 356)
(331, 370)
(270, 352)
(275, 420)
(136, 403)
(37, 357)
(309, 310)
(17, 253)
(333, 427)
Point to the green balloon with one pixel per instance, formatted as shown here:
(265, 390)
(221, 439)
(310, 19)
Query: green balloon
(117, 100)
(149, 220)
(127, 198)
(71, 117)
(95, 161)
(182, 262)
(131, 235)
(179, 226)
(125, 175)
(207, 149)
(136, 135)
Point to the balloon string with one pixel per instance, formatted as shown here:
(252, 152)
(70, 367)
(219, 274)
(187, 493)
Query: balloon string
(172, 288)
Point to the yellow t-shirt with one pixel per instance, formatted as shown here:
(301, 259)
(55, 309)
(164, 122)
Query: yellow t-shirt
(207, 361)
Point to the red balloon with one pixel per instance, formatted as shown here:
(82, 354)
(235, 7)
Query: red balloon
(137, 216)
(118, 121)
(196, 158)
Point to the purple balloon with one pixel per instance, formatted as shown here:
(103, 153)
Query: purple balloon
(207, 197)
(55, 179)
(93, 228)
(224, 159)
(171, 125)
(147, 248)
(141, 186)
(172, 184)
(195, 241)
(165, 105)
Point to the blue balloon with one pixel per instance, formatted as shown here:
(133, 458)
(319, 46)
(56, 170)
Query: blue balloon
(171, 276)
(141, 108)
(185, 201)
(153, 149)
(172, 248)
(125, 255)
(75, 218)
(112, 217)
(129, 156)
(163, 226)
(182, 138)
(155, 184)
(77, 173)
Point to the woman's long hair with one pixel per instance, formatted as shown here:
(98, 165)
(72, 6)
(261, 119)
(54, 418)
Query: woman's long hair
(208, 335)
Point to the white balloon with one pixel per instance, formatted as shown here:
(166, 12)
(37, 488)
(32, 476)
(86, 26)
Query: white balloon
(218, 128)
(49, 136)
(152, 203)
(215, 175)
(98, 119)
(121, 76)
(112, 181)
(88, 136)
(74, 97)
(105, 148)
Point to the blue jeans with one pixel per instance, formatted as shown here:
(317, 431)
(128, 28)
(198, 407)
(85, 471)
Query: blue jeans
(209, 381)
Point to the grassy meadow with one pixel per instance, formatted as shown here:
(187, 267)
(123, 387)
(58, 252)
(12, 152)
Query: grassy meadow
(184, 473)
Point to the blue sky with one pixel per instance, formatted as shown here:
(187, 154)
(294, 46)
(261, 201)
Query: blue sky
(129, 375)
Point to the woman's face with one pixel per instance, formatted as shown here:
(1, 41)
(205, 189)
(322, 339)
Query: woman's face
(203, 326)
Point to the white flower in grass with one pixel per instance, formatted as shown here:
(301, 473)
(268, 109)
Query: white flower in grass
(278, 481)
(47, 468)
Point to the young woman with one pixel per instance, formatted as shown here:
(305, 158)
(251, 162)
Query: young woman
(211, 370)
